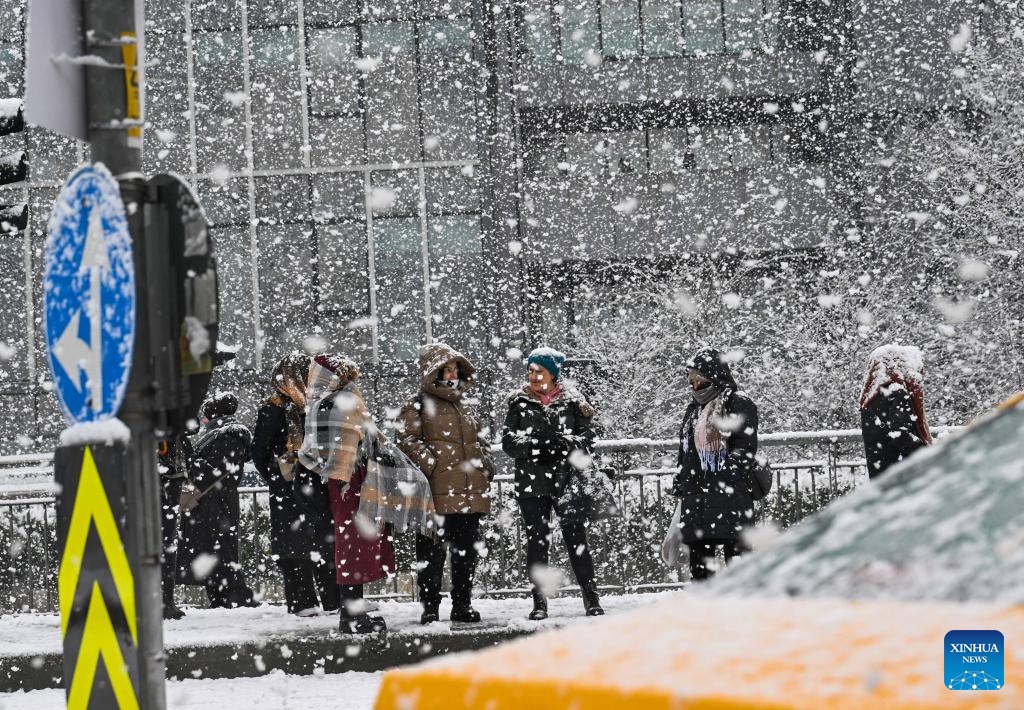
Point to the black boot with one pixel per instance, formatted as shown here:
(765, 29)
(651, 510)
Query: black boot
(465, 613)
(591, 602)
(430, 613)
(173, 611)
(361, 624)
(540, 606)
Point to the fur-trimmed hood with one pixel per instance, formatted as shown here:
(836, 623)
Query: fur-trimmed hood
(432, 359)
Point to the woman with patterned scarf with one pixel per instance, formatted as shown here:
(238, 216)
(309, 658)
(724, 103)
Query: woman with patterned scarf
(892, 407)
(301, 540)
(337, 421)
(717, 445)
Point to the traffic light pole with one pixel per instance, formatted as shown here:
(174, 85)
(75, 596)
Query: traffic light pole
(107, 26)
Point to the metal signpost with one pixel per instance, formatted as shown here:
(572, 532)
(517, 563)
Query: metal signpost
(85, 78)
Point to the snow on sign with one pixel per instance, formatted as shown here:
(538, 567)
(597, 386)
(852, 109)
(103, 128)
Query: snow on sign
(89, 296)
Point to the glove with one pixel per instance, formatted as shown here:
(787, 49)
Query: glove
(189, 500)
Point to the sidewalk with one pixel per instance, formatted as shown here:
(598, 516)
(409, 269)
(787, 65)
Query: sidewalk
(237, 643)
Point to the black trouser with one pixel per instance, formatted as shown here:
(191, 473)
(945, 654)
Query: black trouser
(462, 532)
(537, 518)
(701, 552)
(170, 498)
(226, 586)
(302, 581)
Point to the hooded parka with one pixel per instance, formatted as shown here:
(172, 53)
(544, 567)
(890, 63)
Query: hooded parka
(442, 436)
(713, 488)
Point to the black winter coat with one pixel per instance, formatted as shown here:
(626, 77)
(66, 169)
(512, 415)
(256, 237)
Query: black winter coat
(716, 506)
(291, 536)
(540, 439)
(212, 526)
(889, 427)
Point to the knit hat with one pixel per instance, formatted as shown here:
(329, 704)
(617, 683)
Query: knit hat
(548, 358)
(221, 404)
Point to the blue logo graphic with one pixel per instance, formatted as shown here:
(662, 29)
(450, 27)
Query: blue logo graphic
(89, 296)
(974, 660)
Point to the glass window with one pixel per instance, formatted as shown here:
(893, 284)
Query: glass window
(620, 28)
(272, 13)
(333, 79)
(579, 25)
(216, 14)
(13, 325)
(710, 147)
(395, 192)
(626, 152)
(12, 68)
(234, 262)
(52, 156)
(392, 94)
(276, 108)
(286, 287)
(226, 203)
(274, 49)
(585, 153)
(667, 149)
(331, 13)
(751, 145)
(453, 235)
(339, 196)
(384, 39)
(663, 35)
(543, 154)
(336, 140)
(218, 49)
(446, 36)
(702, 26)
(447, 83)
(283, 198)
(398, 265)
(451, 190)
(539, 32)
(220, 101)
(743, 24)
(344, 279)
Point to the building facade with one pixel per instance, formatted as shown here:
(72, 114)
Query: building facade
(387, 172)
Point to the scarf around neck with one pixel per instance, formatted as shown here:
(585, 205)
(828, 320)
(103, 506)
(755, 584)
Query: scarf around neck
(707, 439)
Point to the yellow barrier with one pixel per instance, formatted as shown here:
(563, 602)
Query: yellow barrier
(693, 653)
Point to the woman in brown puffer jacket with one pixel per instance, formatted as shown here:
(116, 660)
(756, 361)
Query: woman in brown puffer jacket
(439, 433)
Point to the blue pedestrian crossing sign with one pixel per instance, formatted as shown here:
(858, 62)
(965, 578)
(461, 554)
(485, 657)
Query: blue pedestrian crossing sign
(89, 296)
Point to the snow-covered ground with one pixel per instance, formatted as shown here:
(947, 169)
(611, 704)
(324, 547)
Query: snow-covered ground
(351, 691)
(30, 634)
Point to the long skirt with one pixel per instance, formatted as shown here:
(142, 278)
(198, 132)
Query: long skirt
(362, 554)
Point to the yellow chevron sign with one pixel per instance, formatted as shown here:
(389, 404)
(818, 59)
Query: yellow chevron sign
(92, 511)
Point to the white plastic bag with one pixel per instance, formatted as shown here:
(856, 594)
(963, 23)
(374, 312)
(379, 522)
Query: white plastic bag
(672, 546)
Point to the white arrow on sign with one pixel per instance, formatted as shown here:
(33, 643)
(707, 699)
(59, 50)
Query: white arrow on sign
(71, 352)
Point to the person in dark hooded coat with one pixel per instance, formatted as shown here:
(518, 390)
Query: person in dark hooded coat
(892, 407)
(208, 553)
(303, 547)
(717, 446)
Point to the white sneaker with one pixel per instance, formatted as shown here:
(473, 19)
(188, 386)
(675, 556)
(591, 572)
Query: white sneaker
(311, 611)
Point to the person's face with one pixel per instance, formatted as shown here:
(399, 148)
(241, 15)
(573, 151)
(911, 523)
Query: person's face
(450, 373)
(540, 379)
(698, 381)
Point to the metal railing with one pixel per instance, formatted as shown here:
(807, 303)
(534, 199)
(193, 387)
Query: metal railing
(810, 468)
